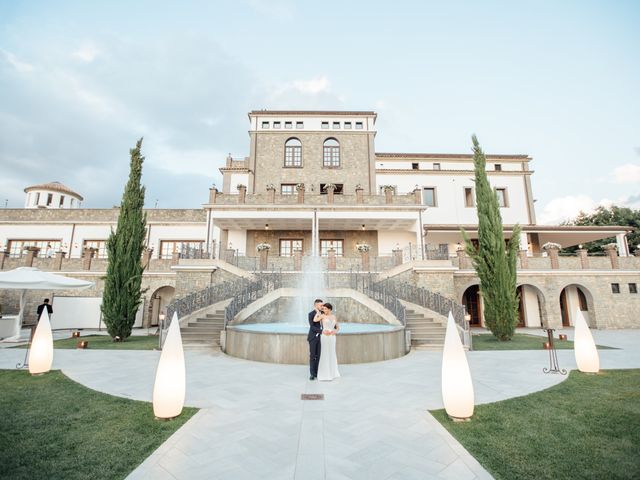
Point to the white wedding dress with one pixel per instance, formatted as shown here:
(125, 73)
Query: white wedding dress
(328, 367)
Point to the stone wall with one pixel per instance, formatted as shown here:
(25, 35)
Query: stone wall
(107, 215)
(354, 161)
(345, 309)
(350, 239)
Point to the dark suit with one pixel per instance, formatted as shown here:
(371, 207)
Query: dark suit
(41, 308)
(315, 331)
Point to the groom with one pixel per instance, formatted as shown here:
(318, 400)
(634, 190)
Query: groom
(315, 330)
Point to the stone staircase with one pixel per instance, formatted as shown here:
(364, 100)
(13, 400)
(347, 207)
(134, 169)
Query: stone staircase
(426, 333)
(203, 331)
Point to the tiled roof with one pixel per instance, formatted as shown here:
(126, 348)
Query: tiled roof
(54, 186)
(446, 155)
(310, 112)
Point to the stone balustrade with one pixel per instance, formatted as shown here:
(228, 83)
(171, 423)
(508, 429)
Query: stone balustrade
(580, 261)
(310, 198)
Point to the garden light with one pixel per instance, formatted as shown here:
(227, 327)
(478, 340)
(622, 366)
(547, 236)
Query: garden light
(457, 388)
(584, 347)
(41, 353)
(169, 387)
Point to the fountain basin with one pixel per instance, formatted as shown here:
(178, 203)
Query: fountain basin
(287, 342)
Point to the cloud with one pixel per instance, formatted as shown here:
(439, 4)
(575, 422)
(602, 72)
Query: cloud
(87, 53)
(76, 120)
(627, 173)
(312, 86)
(19, 65)
(569, 207)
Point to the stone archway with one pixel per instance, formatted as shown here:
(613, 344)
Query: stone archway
(158, 302)
(532, 312)
(573, 297)
(472, 301)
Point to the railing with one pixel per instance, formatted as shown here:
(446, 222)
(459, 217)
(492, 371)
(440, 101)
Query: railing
(387, 291)
(203, 298)
(251, 292)
(200, 252)
(376, 290)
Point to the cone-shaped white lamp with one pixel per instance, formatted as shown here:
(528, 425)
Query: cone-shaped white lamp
(41, 352)
(457, 388)
(170, 384)
(584, 347)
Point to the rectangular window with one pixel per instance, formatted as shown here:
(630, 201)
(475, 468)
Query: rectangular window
(358, 125)
(331, 156)
(615, 288)
(293, 156)
(288, 124)
(415, 166)
(299, 125)
(429, 196)
(289, 245)
(49, 199)
(336, 124)
(633, 288)
(99, 245)
(337, 191)
(502, 197)
(326, 245)
(287, 188)
(47, 247)
(265, 124)
(186, 248)
(37, 198)
(72, 202)
(468, 197)
(498, 167)
(347, 125)
(276, 124)
(325, 125)
(436, 166)
(61, 200)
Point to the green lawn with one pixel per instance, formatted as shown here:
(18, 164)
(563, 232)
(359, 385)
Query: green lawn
(104, 342)
(53, 427)
(587, 427)
(520, 341)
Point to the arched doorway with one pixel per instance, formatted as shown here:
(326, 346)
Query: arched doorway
(472, 301)
(531, 311)
(572, 298)
(159, 300)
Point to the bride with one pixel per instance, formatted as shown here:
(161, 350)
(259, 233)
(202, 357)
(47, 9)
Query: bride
(328, 367)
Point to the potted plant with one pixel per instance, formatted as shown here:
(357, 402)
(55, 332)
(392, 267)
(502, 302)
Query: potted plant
(329, 187)
(363, 247)
(551, 245)
(300, 187)
(263, 246)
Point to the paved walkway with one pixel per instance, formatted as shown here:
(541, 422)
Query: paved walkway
(373, 423)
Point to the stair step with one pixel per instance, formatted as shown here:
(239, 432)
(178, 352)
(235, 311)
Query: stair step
(199, 323)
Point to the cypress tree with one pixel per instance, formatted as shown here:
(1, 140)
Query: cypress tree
(494, 262)
(122, 287)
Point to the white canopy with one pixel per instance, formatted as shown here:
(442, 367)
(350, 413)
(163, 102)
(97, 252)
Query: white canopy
(30, 278)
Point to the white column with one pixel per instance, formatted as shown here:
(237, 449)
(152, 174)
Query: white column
(419, 245)
(524, 242)
(623, 246)
(314, 234)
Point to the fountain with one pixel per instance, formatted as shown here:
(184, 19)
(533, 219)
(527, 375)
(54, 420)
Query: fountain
(368, 332)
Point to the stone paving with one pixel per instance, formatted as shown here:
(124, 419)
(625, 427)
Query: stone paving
(372, 424)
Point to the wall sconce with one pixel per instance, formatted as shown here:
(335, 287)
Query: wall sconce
(584, 347)
(75, 335)
(83, 345)
(457, 387)
(41, 353)
(546, 346)
(363, 227)
(562, 337)
(266, 226)
(170, 384)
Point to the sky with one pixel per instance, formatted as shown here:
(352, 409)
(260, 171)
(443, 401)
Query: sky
(81, 81)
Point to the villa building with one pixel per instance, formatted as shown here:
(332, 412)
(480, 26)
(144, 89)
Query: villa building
(313, 184)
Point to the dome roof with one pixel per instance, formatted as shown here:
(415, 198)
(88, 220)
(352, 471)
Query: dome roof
(54, 186)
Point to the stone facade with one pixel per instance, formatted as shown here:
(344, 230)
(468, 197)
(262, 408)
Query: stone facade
(356, 161)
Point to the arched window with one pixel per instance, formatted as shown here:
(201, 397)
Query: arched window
(331, 153)
(293, 153)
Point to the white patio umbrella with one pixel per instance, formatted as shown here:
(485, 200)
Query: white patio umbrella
(30, 278)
